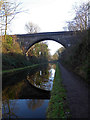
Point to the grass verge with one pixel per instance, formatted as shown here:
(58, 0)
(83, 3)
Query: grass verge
(18, 69)
(58, 107)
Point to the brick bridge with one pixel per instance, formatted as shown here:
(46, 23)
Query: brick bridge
(66, 38)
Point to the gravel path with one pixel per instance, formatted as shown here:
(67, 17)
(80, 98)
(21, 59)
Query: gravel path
(77, 93)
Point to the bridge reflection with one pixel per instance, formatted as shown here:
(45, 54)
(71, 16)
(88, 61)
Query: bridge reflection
(17, 86)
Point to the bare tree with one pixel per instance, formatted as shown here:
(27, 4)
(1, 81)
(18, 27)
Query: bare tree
(32, 28)
(1, 2)
(80, 21)
(8, 11)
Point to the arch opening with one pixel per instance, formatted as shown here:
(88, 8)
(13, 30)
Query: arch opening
(49, 41)
(45, 49)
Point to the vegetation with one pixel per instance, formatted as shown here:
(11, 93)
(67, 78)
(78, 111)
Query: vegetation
(14, 57)
(31, 28)
(40, 51)
(8, 11)
(77, 57)
(18, 69)
(58, 53)
(80, 21)
(57, 106)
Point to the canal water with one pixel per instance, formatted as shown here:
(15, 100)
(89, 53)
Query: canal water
(26, 94)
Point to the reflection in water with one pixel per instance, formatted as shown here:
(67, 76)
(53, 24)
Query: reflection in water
(23, 100)
(24, 108)
(17, 87)
(35, 103)
(8, 110)
(43, 79)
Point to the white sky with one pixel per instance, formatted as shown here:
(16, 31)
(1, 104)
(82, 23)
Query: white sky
(49, 15)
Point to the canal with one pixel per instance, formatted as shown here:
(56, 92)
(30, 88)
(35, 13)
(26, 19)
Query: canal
(26, 94)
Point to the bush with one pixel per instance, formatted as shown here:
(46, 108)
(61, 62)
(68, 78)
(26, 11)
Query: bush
(77, 57)
(9, 40)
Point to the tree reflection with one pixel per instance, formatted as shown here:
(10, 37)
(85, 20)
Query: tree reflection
(13, 91)
(41, 79)
(8, 109)
(15, 87)
(35, 103)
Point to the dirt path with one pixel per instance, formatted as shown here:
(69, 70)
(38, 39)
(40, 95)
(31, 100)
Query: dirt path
(77, 93)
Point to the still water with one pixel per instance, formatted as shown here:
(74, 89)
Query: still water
(26, 94)
(25, 108)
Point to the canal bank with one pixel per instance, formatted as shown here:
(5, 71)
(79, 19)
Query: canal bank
(58, 107)
(20, 69)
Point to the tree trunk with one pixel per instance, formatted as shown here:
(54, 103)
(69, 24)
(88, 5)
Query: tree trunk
(6, 28)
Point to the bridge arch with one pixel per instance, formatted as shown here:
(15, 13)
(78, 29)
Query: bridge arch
(44, 39)
(65, 38)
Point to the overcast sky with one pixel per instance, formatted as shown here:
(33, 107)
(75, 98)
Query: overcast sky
(49, 15)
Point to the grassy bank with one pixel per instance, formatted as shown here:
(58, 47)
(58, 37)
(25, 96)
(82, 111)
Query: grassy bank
(18, 69)
(57, 106)
(22, 68)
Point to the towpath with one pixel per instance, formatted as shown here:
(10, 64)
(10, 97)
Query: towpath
(77, 93)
